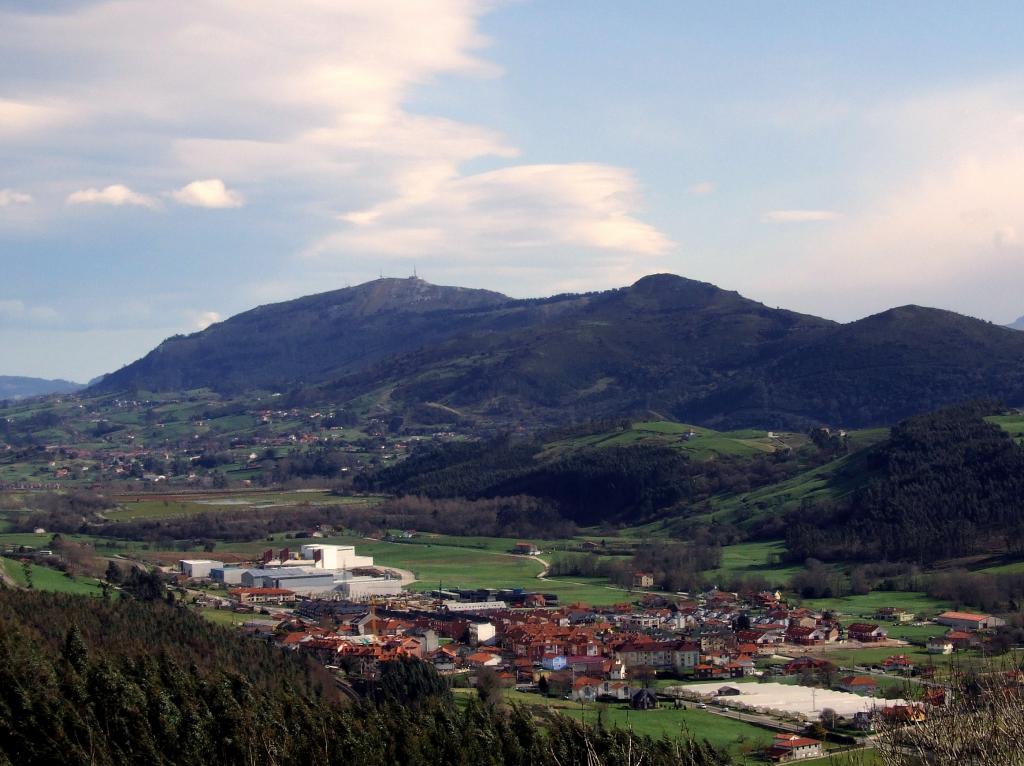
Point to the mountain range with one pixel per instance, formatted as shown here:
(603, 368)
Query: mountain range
(18, 387)
(666, 346)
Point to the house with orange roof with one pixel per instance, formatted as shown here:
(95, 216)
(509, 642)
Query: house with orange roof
(786, 748)
(483, 660)
(865, 685)
(898, 662)
(865, 633)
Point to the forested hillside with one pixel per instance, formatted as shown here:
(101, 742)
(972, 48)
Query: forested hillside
(944, 485)
(615, 484)
(87, 681)
(665, 345)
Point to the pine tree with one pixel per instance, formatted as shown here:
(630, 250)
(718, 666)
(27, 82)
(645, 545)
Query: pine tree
(75, 651)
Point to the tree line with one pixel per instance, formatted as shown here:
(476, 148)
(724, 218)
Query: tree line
(675, 566)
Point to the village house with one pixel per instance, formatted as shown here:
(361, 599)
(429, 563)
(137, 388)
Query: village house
(866, 633)
(940, 645)
(810, 636)
(905, 713)
(865, 685)
(893, 614)
(900, 663)
(801, 664)
(786, 748)
(553, 661)
(526, 549)
(962, 639)
(483, 660)
(643, 580)
(644, 699)
(590, 688)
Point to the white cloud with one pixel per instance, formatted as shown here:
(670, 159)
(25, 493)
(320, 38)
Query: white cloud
(702, 188)
(204, 319)
(115, 194)
(799, 216)
(487, 215)
(1006, 236)
(20, 118)
(305, 103)
(211, 193)
(13, 309)
(10, 197)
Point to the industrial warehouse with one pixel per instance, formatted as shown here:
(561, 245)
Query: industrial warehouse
(329, 572)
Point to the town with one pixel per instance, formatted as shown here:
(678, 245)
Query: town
(746, 657)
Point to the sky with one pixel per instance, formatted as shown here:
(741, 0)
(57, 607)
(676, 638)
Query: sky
(165, 165)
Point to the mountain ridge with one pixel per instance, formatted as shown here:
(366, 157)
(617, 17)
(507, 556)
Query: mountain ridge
(22, 387)
(665, 343)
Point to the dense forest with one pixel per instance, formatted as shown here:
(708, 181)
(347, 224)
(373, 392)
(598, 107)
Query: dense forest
(946, 484)
(588, 486)
(90, 681)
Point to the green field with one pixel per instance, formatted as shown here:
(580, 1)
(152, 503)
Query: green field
(754, 559)
(918, 634)
(31, 540)
(702, 443)
(865, 606)
(149, 507)
(454, 566)
(1000, 565)
(741, 740)
(224, 616)
(44, 578)
(1012, 424)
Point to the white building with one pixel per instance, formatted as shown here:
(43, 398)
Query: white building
(940, 646)
(315, 582)
(227, 575)
(198, 569)
(479, 632)
(335, 556)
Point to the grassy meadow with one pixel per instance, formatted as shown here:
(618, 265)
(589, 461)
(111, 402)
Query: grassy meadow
(46, 579)
(739, 739)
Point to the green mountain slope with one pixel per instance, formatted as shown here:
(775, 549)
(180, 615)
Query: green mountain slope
(665, 345)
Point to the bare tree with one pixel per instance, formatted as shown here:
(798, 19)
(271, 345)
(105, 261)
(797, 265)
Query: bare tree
(981, 722)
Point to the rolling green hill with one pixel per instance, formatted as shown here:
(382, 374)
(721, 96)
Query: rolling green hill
(693, 440)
